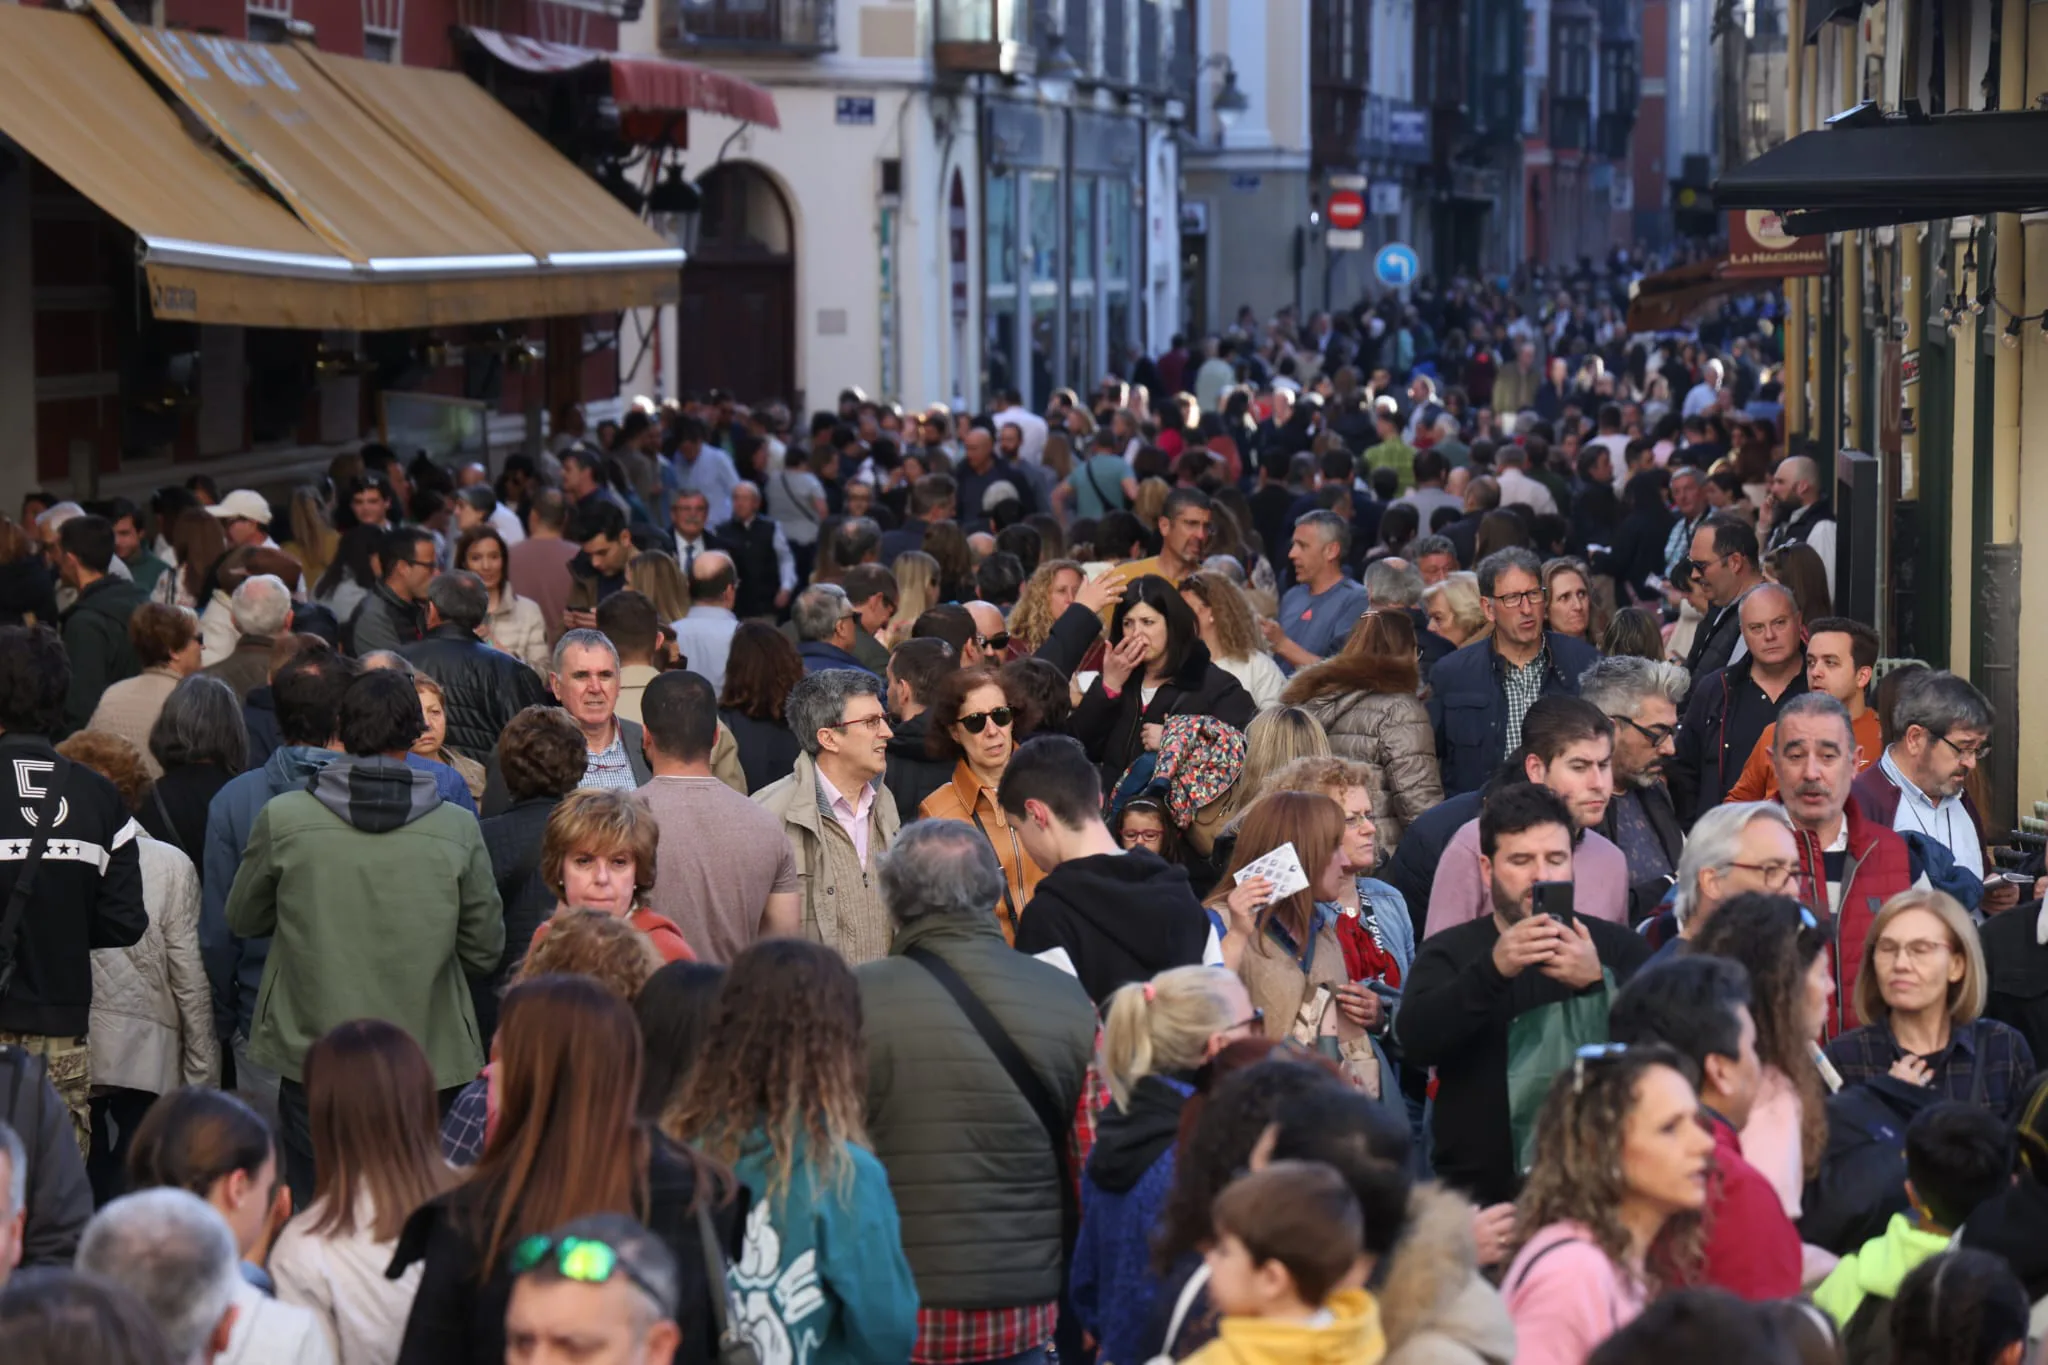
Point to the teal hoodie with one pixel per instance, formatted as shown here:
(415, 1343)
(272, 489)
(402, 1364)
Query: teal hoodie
(822, 1279)
(1878, 1267)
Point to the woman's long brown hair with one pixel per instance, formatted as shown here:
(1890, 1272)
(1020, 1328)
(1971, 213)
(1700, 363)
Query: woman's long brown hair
(783, 1054)
(376, 1128)
(1310, 821)
(567, 1144)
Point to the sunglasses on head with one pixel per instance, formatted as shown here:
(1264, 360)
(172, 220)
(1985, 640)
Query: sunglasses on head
(977, 721)
(582, 1259)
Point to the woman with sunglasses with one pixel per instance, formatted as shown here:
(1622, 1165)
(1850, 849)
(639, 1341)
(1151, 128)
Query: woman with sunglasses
(1920, 993)
(974, 723)
(1611, 1214)
(567, 1144)
(779, 1094)
(1155, 1035)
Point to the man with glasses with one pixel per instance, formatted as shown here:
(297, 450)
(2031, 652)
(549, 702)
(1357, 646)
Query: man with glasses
(1724, 558)
(394, 614)
(1641, 697)
(1734, 849)
(1729, 709)
(601, 1290)
(1916, 786)
(1479, 694)
(1849, 863)
(836, 812)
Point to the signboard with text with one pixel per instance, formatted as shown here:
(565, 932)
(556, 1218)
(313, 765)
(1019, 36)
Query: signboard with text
(1759, 248)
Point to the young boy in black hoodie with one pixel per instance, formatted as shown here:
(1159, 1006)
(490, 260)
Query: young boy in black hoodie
(1117, 916)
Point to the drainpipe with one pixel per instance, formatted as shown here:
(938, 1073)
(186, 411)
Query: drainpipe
(1794, 340)
(1809, 87)
(2032, 737)
(2008, 272)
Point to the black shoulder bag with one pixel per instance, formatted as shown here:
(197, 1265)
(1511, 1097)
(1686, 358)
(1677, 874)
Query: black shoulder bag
(25, 880)
(1011, 1058)
(734, 1348)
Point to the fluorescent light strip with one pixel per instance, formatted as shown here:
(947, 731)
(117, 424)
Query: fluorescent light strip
(425, 265)
(611, 260)
(167, 249)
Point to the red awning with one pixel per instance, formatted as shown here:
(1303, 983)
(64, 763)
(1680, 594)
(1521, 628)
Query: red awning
(640, 84)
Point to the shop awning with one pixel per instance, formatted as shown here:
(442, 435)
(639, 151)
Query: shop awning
(1898, 170)
(655, 85)
(1669, 299)
(71, 100)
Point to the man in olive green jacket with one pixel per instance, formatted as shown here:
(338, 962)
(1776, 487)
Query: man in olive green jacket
(377, 897)
(963, 1147)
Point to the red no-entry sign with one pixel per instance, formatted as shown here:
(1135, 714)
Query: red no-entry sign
(1347, 209)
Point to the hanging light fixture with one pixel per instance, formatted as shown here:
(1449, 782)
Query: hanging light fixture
(1057, 70)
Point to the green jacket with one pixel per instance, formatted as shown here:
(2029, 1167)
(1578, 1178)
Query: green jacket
(1878, 1267)
(377, 898)
(146, 569)
(1396, 455)
(962, 1147)
(96, 638)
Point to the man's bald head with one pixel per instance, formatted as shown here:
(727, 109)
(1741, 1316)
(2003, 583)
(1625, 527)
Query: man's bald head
(1765, 599)
(470, 475)
(988, 618)
(1795, 483)
(713, 579)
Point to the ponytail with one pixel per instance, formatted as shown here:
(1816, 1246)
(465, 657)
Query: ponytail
(1164, 1024)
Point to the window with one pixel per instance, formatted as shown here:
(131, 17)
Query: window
(999, 267)
(380, 47)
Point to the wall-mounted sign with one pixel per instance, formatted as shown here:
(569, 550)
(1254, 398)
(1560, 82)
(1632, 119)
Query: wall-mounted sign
(1759, 248)
(854, 109)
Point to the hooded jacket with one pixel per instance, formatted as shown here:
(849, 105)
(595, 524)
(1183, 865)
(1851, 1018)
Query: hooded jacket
(1353, 1337)
(1121, 917)
(1878, 1268)
(913, 774)
(96, 638)
(1381, 726)
(1123, 1192)
(1112, 728)
(482, 687)
(1435, 1306)
(379, 896)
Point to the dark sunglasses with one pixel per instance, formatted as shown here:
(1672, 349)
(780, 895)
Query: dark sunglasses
(582, 1259)
(997, 642)
(975, 722)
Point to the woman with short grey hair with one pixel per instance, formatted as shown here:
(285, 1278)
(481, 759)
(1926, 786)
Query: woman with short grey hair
(201, 742)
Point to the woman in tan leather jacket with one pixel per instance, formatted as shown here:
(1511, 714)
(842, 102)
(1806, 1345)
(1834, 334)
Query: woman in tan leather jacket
(1365, 698)
(974, 723)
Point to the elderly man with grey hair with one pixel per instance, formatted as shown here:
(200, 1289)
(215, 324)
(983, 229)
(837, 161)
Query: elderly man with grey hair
(839, 817)
(1941, 726)
(262, 610)
(1740, 847)
(827, 627)
(1641, 697)
(977, 1056)
(175, 1253)
(482, 688)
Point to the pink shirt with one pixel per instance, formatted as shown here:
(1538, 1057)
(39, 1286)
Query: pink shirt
(851, 815)
(1771, 1139)
(1566, 1297)
(1460, 894)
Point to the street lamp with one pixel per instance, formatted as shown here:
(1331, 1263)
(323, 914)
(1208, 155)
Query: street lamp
(1230, 104)
(1057, 70)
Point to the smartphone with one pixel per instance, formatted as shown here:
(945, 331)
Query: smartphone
(1555, 900)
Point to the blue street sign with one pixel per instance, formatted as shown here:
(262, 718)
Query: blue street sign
(1396, 264)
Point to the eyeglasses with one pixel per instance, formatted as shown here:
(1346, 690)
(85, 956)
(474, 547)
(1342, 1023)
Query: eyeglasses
(429, 564)
(1591, 1054)
(877, 720)
(582, 1259)
(997, 642)
(1513, 600)
(1919, 952)
(1775, 876)
(1257, 1020)
(1658, 735)
(1144, 836)
(1702, 565)
(976, 721)
(1970, 755)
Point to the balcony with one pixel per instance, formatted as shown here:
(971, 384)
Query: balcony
(1571, 124)
(786, 27)
(982, 37)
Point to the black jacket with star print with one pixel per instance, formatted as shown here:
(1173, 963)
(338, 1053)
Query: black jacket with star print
(87, 894)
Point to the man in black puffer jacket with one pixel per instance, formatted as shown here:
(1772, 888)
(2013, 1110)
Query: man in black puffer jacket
(481, 688)
(1117, 917)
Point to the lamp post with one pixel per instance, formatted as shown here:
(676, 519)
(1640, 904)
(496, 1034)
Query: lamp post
(1229, 104)
(1057, 71)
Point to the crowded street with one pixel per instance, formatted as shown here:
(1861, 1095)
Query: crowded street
(1421, 760)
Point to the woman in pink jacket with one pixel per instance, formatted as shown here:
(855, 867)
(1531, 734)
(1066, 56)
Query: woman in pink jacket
(1611, 1213)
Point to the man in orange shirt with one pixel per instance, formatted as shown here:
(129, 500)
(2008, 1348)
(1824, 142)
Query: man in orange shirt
(1840, 654)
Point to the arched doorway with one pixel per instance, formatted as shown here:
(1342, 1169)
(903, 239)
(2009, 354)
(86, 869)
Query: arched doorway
(736, 320)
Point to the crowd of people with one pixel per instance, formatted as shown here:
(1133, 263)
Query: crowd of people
(1365, 841)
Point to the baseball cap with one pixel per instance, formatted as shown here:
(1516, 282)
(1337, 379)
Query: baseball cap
(244, 504)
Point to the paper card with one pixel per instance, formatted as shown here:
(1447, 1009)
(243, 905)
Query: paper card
(1282, 867)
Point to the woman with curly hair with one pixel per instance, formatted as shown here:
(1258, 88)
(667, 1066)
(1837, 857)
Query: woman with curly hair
(1046, 595)
(974, 723)
(1364, 696)
(1790, 984)
(778, 1095)
(1456, 610)
(1235, 643)
(1611, 1214)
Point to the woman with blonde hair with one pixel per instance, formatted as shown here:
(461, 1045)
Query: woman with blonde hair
(1273, 740)
(1920, 992)
(1568, 598)
(599, 854)
(433, 741)
(1455, 609)
(314, 539)
(1364, 697)
(1373, 922)
(658, 578)
(917, 591)
(1044, 598)
(779, 1095)
(1611, 1214)
(1155, 1036)
(1235, 643)
(1150, 502)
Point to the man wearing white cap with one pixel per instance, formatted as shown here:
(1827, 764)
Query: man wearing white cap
(244, 517)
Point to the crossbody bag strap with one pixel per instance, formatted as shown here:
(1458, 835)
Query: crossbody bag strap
(156, 794)
(25, 879)
(733, 1347)
(1009, 905)
(1088, 471)
(1011, 1058)
(790, 493)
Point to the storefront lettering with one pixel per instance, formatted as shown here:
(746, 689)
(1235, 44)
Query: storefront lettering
(172, 300)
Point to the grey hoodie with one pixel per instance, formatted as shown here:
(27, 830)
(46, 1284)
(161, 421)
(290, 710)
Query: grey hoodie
(375, 794)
